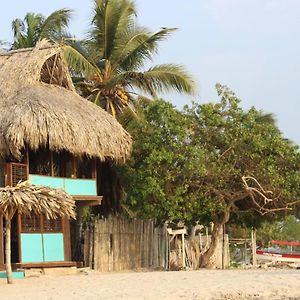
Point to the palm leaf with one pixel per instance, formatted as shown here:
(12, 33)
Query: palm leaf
(79, 61)
(33, 24)
(55, 24)
(168, 77)
(140, 46)
(109, 18)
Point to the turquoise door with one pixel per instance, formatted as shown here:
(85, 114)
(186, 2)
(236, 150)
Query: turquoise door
(32, 247)
(53, 247)
(42, 247)
(42, 240)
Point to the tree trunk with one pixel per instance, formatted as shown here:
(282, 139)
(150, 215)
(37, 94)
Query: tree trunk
(8, 251)
(205, 259)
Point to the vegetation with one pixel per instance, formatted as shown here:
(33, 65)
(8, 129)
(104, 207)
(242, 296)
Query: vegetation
(214, 162)
(211, 162)
(113, 57)
(36, 27)
(286, 229)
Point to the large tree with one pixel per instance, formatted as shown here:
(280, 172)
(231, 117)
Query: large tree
(36, 27)
(211, 162)
(110, 63)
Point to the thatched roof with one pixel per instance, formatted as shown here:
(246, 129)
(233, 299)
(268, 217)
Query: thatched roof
(40, 108)
(25, 199)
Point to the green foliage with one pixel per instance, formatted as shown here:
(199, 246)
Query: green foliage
(189, 165)
(159, 175)
(287, 229)
(87, 216)
(35, 27)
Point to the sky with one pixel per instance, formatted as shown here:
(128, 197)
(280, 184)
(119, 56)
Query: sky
(252, 46)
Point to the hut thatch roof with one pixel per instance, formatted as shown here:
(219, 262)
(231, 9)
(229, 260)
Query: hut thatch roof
(25, 199)
(40, 108)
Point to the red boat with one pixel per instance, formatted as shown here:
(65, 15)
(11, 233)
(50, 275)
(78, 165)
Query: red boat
(280, 254)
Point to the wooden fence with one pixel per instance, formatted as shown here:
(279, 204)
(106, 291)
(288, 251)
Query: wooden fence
(118, 243)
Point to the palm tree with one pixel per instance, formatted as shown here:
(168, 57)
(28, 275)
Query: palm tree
(35, 27)
(108, 64)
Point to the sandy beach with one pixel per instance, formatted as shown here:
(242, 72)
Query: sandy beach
(203, 284)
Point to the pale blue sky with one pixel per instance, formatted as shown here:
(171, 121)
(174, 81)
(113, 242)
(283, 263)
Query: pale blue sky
(252, 46)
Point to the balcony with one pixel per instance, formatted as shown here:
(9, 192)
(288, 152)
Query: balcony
(84, 191)
(74, 187)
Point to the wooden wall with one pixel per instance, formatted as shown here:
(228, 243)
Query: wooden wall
(118, 243)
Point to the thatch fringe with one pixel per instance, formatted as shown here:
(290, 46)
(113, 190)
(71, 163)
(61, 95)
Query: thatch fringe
(48, 116)
(25, 198)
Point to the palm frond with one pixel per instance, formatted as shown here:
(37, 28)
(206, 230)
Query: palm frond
(17, 27)
(127, 117)
(78, 60)
(55, 23)
(33, 24)
(168, 77)
(143, 100)
(110, 17)
(134, 114)
(141, 45)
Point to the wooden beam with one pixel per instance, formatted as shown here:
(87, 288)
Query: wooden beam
(53, 68)
(19, 229)
(27, 160)
(88, 200)
(1, 241)
(45, 264)
(253, 244)
(67, 239)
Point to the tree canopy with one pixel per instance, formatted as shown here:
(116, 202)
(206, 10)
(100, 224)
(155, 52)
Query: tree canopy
(211, 162)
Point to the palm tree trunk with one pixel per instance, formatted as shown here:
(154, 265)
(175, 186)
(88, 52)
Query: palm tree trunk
(8, 251)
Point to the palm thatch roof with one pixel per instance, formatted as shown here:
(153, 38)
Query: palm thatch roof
(40, 108)
(25, 199)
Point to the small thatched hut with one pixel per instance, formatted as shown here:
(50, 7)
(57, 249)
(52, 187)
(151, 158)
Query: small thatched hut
(52, 137)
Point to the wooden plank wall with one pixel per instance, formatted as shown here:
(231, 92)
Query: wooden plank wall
(118, 243)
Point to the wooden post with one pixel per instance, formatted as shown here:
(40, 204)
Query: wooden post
(253, 243)
(8, 250)
(246, 257)
(1, 241)
(183, 251)
(223, 247)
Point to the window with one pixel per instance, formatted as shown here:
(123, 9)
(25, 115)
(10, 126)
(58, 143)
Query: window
(39, 224)
(45, 162)
(84, 168)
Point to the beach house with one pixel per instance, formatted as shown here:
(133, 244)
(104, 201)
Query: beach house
(50, 136)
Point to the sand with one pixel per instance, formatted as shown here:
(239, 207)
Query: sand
(203, 284)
